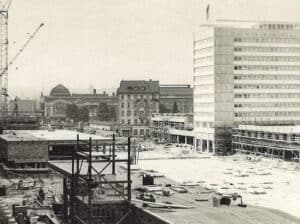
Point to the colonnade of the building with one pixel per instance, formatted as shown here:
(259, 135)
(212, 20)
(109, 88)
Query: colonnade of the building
(180, 139)
(204, 145)
(201, 145)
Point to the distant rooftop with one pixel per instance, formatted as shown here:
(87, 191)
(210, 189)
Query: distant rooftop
(45, 135)
(175, 86)
(176, 90)
(138, 86)
(60, 90)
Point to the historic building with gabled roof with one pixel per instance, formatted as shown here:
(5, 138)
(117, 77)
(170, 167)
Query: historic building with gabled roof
(137, 100)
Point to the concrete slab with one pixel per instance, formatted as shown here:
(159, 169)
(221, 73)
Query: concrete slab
(45, 135)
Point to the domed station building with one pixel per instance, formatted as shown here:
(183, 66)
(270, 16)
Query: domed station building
(54, 105)
(60, 90)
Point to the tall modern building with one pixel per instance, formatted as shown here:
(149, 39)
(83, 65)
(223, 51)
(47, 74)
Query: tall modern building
(244, 72)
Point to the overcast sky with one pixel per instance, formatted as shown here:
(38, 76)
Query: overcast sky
(101, 42)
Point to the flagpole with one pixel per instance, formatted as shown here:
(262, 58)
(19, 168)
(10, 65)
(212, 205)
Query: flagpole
(207, 12)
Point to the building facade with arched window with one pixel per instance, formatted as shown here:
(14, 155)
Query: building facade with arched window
(54, 105)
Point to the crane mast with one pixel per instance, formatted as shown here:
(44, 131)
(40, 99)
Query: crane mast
(4, 63)
(3, 59)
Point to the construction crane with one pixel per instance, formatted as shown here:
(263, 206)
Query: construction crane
(22, 48)
(4, 64)
(3, 54)
(6, 6)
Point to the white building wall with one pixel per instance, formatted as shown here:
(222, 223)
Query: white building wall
(266, 76)
(248, 72)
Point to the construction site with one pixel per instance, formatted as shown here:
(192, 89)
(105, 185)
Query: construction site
(271, 141)
(109, 181)
(30, 150)
(59, 176)
(90, 189)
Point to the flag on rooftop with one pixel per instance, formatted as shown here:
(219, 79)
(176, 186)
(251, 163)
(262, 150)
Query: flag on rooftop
(207, 12)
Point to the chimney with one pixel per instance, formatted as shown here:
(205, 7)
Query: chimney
(113, 94)
(94, 91)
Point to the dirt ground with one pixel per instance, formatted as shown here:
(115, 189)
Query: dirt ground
(204, 212)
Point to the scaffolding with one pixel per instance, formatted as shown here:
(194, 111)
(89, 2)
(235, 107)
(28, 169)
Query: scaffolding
(92, 173)
(270, 143)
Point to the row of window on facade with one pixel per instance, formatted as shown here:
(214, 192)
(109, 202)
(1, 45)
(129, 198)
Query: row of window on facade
(267, 95)
(142, 132)
(267, 86)
(136, 121)
(278, 26)
(267, 49)
(269, 135)
(267, 104)
(254, 105)
(139, 96)
(268, 58)
(209, 49)
(267, 114)
(140, 104)
(136, 88)
(199, 124)
(265, 142)
(267, 67)
(135, 113)
(168, 123)
(176, 94)
(266, 77)
(285, 40)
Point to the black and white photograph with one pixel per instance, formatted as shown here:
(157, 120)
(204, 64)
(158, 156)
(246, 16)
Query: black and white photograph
(149, 112)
